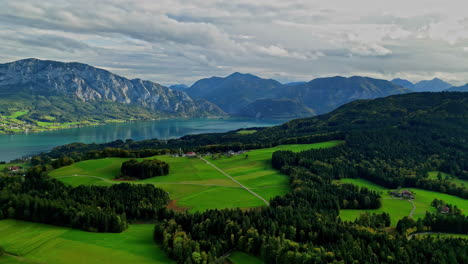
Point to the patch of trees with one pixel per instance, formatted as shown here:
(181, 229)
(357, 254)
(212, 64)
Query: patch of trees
(144, 169)
(434, 222)
(374, 220)
(41, 199)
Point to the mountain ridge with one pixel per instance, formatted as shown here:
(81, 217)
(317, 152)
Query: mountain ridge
(61, 92)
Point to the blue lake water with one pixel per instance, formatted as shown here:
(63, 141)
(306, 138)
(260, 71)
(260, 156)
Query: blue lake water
(20, 145)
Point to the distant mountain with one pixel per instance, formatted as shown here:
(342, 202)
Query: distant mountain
(463, 88)
(325, 94)
(293, 83)
(69, 92)
(276, 109)
(403, 83)
(235, 91)
(178, 87)
(434, 85)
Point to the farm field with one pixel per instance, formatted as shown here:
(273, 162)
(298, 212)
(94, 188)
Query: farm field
(33, 243)
(196, 185)
(398, 208)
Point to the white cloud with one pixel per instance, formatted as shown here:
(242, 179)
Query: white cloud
(172, 41)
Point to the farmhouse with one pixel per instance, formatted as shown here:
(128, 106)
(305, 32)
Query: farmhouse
(14, 168)
(403, 194)
(444, 210)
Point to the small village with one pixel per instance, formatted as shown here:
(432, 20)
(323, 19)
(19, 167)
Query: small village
(192, 154)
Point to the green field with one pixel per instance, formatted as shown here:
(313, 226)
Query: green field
(398, 208)
(196, 185)
(246, 132)
(243, 258)
(39, 243)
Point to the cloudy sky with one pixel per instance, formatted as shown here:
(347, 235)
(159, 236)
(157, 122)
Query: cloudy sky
(180, 41)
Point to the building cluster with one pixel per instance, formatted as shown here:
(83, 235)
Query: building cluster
(405, 194)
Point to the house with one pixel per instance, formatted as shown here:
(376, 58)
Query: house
(403, 194)
(14, 168)
(190, 154)
(407, 194)
(444, 210)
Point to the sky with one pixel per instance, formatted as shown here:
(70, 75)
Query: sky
(180, 41)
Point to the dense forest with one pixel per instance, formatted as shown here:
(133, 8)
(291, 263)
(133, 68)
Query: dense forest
(144, 169)
(393, 141)
(41, 199)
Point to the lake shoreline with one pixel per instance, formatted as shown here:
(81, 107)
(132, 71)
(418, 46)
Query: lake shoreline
(14, 146)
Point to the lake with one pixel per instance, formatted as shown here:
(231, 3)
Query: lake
(20, 145)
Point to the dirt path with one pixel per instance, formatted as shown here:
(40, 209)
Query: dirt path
(158, 183)
(412, 210)
(23, 259)
(89, 176)
(234, 180)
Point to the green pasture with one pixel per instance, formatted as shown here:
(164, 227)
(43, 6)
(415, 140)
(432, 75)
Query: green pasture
(196, 185)
(398, 208)
(39, 243)
(246, 132)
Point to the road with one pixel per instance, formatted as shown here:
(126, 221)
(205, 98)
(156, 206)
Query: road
(412, 210)
(234, 180)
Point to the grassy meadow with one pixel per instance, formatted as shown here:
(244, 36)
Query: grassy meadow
(398, 208)
(196, 185)
(39, 243)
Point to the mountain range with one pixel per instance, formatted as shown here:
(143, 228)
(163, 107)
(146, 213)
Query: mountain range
(434, 85)
(42, 92)
(239, 94)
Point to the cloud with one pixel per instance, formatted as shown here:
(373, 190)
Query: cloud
(171, 41)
